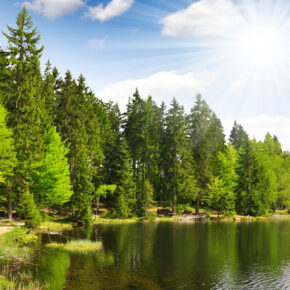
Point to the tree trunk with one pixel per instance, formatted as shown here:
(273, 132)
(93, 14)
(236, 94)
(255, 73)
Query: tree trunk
(9, 208)
(173, 201)
(197, 204)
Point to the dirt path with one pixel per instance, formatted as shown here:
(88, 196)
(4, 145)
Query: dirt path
(7, 225)
(4, 230)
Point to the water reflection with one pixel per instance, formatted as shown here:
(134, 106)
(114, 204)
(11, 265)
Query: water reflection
(170, 256)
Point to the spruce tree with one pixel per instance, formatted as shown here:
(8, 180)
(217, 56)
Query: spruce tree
(117, 168)
(206, 140)
(238, 135)
(27, 116)
(179, 162)
(254, 188)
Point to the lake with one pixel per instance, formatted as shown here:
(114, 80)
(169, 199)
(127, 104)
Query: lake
(164, 255)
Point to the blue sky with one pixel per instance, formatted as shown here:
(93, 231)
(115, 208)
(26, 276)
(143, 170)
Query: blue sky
(233, 52)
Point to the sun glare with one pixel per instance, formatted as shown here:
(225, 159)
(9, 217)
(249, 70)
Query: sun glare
(262, 46)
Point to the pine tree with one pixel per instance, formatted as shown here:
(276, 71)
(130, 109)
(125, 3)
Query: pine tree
(179, 163)
(83, 187)
(238, 136)
(78, 122)
(254, 188)
(4, 76)
(117, 168)
(206, 140)
(27, 116)
(50, 89)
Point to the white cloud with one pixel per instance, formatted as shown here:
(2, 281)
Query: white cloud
(98, 43)
(258, 127)
(113, 9)
(203, 18)
(161, 86)
(54, 8)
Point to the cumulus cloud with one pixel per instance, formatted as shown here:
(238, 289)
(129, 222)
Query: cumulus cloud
(54, 8)
(113, 9)
(162, 86)
(258, 126)
(203, 18)
(98, 43)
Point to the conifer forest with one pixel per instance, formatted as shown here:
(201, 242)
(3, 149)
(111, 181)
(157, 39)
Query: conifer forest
(63, 149)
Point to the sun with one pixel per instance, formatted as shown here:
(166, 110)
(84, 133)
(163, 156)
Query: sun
(262, 46)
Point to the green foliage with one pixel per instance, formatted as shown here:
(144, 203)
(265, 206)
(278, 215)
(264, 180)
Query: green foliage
(238, 136)
(82, 188)
(254, 188)
(219, 198)
(145, 198)
(206, 140)
(148, 155)
(52, 181)
(28, 209)
(104, 189)
(179, 169)
(7, 150)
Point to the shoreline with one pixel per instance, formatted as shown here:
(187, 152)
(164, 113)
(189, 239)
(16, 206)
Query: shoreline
(58, 225)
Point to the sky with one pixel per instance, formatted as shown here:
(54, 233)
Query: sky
(236, 53)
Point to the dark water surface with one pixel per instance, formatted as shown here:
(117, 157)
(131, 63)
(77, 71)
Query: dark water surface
(174, 256)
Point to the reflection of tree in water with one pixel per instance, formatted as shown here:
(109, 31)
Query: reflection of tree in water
(171, 255)
(53, 268)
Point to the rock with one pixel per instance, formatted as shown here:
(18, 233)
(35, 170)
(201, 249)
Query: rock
(187, 212)
(164, 211)
(157, 220)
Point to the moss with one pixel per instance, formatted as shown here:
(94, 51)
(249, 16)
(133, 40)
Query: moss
(79, 246)
(6, 284)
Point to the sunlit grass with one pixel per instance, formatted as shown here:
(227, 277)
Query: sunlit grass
(13, 245)
(78, 246)
(54, 226)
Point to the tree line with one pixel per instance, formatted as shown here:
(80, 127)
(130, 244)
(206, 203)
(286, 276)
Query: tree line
(61, 147)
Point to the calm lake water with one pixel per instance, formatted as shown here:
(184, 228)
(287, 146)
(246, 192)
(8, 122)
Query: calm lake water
(173, 256)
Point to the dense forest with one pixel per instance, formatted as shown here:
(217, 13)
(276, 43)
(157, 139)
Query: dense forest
(64, 149)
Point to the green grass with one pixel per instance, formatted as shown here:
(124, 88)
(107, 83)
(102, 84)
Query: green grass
(6, 284)
(78, 246)
(13, 245)
(115, 220)
(20, 235)
(54, 225)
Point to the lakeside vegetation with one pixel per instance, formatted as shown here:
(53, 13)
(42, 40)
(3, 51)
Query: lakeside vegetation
(63, 150)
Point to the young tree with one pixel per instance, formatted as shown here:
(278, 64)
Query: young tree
(222, 187)
(220, 198)
(28, 209)
(52, 177)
